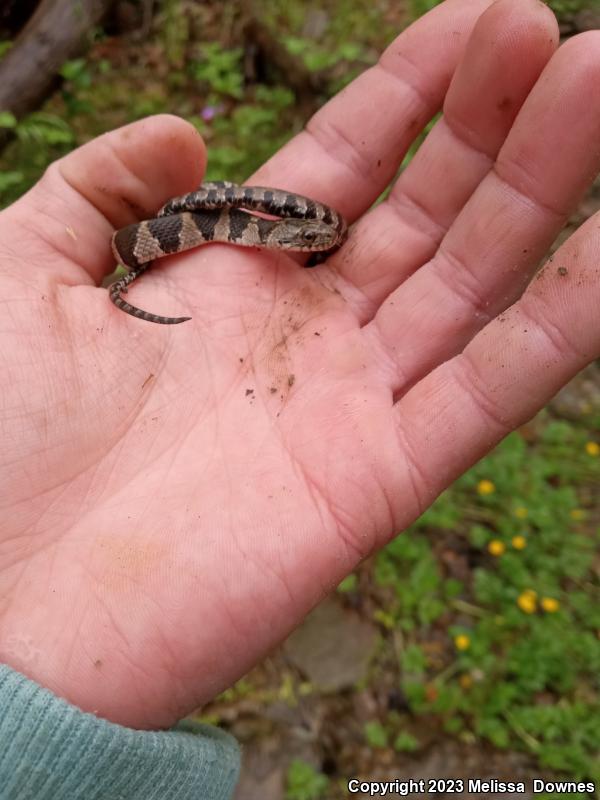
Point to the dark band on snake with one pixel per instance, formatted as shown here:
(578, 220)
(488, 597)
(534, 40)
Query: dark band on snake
(219, 212)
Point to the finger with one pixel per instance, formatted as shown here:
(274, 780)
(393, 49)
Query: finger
(351, 148)
(483, 264)
(116, 179)
(508, 372)
(506, 53)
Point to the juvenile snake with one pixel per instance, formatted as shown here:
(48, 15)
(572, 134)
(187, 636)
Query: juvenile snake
(212, 214)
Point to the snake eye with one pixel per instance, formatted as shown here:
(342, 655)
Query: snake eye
(309, 236)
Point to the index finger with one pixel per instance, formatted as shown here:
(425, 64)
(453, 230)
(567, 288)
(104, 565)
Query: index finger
(352, 147)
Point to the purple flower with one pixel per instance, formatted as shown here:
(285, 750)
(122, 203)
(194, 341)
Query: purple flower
(208, 113)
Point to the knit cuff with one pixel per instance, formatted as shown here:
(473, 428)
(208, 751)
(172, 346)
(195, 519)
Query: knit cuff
(51, 750)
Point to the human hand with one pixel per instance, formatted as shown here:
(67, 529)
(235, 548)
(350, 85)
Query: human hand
(175, 500)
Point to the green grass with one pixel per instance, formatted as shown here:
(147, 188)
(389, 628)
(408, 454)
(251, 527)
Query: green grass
(304, 782)
(521, 667)
(202, 81)
(562, 8)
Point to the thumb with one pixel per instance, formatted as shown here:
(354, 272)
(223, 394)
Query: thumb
(118, 178)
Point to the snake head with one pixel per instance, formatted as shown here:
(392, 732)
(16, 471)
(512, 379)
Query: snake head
(303, 235)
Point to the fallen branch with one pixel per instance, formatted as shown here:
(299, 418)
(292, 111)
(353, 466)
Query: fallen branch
(57, 31)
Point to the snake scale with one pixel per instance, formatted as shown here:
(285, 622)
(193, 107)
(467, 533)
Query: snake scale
(221, 212)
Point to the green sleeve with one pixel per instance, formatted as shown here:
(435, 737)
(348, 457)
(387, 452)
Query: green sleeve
(51, 750)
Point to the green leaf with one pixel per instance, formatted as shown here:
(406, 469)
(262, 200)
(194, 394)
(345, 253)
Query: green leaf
(349, 584)
(7, 120)
(376, 735)
(406, 743)
(304, 782)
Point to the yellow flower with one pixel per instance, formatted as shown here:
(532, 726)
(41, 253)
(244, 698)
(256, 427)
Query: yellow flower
(550, 605)
(466, 681)
(496, 547)
(462, 641)
(519, 542)
(577, 513)
(485, 487)
(592, 448)
(521, 512)
(527, 601)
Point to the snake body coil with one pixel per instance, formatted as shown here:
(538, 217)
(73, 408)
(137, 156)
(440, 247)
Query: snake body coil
(214, 214)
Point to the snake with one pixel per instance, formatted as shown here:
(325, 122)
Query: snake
(220, 211)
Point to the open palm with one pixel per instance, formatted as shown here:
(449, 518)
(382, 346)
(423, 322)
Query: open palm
(175, 500)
